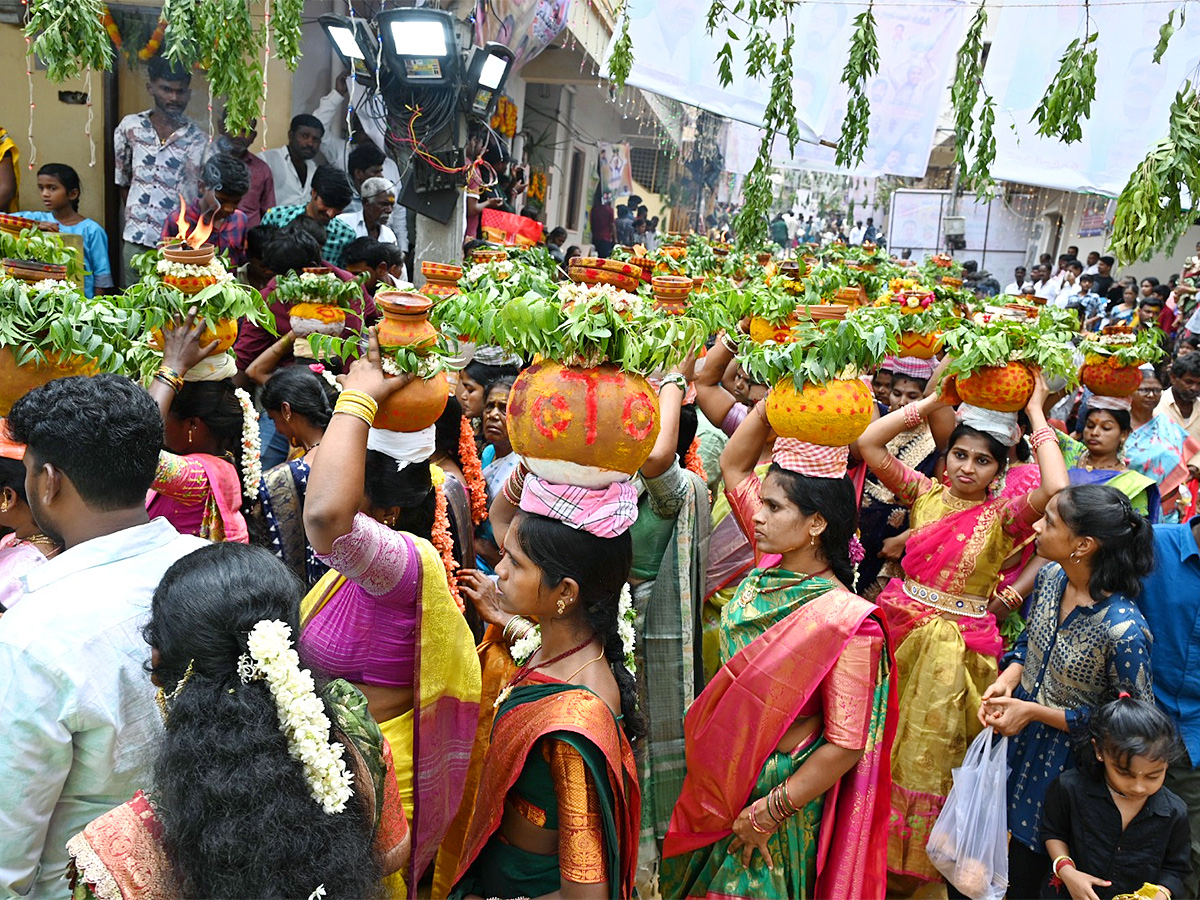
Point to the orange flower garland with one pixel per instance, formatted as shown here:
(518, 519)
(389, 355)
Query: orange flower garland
(152, 45)
(441, 538)
(468, 459)
(692, 461)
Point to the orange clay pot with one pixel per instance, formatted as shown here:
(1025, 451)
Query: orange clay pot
(919, 346)
(405, 321)
(1000, 388)
(832, 414)
(588, 426)
(1107, 380)
(224, 333)
(17, 381)
(192, 256)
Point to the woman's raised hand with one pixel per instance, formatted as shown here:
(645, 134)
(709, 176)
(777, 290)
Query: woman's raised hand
(366, 374)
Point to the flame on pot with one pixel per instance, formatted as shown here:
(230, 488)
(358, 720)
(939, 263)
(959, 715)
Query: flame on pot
(193, 237)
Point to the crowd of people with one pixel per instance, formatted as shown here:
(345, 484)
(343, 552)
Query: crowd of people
(294, 654)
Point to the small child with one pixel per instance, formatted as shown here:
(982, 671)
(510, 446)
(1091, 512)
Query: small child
(59, 186)
(1110, 826)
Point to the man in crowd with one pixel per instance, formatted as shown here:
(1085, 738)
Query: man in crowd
(375, 208)
(224, 180)
(157, 157)
(870, 235)
(856, 233)
(554, 244)
(370, 257)
(603, 226)
(1019, 281)
(329, 195)
(1068, 285)
(1043, 285)
(1104, 279)
(293, 167)
(1092, 266)
(1179, 403)
(625, 231)
(260, 196)
(80, 724)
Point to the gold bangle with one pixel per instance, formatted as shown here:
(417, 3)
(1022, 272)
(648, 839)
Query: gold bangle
(357, 404)
(366, 399)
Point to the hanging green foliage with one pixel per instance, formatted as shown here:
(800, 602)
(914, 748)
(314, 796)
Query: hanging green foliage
(1068, 99)
(862, 65)
(1151, 211)
(1166, 31)
(69, 36)
(620, 63)
(972, 130)
(285, 30)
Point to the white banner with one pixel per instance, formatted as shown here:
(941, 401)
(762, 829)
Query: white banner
(1133, 94)
(917, 47)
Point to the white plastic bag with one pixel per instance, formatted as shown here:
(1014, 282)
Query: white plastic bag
(969, 840)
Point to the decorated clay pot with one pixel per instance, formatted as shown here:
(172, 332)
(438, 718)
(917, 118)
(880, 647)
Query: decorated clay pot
(317, 318)
(224, 332)
(762, 331)
(33, 271)
(832, 414)
(1100, 376)
(853, 295)
(590, 276)
(488, 255)
(192, 256)
(1000, 388)
(441, 279)
(589, 427)
(919, 346)
(189, 284)
(951, 281)
(405, 321)
(317, 270)
(17, 381)
(671, 293)
(415, 406)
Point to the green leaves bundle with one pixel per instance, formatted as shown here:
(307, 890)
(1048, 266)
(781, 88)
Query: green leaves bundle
(996, 340)
(69, 36)
(1068, 99)
(862, 65)
(823, 350)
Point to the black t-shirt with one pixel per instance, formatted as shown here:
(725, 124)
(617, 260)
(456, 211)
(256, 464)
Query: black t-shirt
(1155, 848)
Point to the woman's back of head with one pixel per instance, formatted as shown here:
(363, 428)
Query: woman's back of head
(306, 393)
(1124, 552)
(238, 816)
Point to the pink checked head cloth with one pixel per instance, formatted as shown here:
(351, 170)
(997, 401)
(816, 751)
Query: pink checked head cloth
(605, 512)
(1098, 401)
(913, 367)
(813, 460)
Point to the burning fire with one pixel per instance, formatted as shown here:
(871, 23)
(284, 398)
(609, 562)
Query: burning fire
(193, 237)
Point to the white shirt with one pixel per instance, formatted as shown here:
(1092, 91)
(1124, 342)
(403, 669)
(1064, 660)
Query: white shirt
(856, 234)
(289, 190)
(80, 727)
(355, 220)
(1015, 289)
(1092, 270)
(1047, 290)
(1066, 294)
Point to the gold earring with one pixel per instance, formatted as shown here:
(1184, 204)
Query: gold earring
(812, 540)
(161, 699)
(4, 507)
(562, 606)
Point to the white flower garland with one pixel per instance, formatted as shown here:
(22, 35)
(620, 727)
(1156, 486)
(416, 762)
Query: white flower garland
(52, 284)
(214, 268)
(523, 650)
(329, 377)
(301, 714)
(251, 446)
(626, 616)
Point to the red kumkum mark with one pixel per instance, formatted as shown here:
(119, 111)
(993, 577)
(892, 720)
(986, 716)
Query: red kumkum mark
(638, 416)
(591, 379)
(551, 415)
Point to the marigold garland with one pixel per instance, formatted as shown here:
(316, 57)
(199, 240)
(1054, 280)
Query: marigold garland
(468, 460)
(152, 45)
(692, 461)
(441, 538)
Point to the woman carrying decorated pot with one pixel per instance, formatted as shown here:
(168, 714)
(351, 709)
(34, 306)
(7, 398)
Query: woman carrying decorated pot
(300, 403)
(228, 791)
(882, 520)
(210, 432)
(383, 617)
(939, 613)
(1085, 640)
(557, 811)
(498, 461)
(788, 746)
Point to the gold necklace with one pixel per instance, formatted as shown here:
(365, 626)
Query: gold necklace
(957, 503)
(584, 666)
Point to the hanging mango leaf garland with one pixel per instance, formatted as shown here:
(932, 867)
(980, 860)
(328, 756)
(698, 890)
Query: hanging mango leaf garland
(620, 62)
(1166, 31)
(863, 64)
(286, 30)
(1068, 99)
(1150, 210)
(69, 36)
(971, 130)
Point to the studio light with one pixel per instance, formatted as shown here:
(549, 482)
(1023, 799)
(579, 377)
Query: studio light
(355, 43)
(419, 45)
(485, 79)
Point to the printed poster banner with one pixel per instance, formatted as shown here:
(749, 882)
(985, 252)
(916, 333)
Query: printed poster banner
(615, 175)
(526, 27)
(1133, 94)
